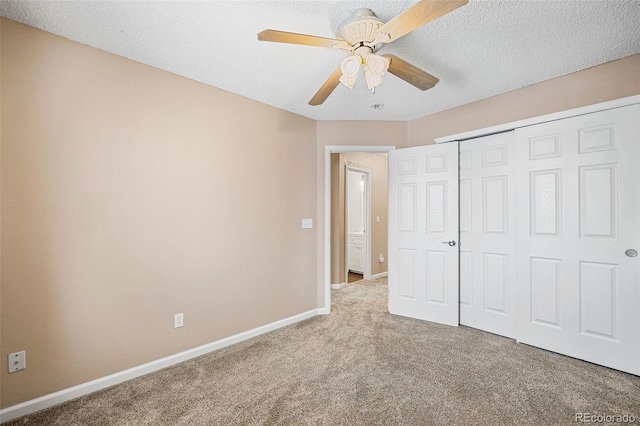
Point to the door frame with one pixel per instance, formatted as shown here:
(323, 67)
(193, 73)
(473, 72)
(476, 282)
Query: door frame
(366, 274)
(328, 150)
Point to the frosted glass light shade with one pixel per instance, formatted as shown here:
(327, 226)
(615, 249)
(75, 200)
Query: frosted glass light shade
(350, 67)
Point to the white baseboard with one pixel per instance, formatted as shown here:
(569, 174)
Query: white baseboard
(338, 286)
(380, 275)
(74, 392)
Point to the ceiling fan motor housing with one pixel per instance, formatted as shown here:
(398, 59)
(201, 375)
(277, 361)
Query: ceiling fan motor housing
(362, 26)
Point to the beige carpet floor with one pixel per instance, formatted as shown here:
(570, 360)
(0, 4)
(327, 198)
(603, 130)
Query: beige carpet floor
(362, 366)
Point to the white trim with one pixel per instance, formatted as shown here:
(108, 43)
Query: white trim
(338, 286)
(368, 227)
(380, 275)
(328, 150)
(540, 119)
(74, 392)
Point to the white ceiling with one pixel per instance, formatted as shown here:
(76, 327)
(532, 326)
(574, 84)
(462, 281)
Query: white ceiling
(482, 49)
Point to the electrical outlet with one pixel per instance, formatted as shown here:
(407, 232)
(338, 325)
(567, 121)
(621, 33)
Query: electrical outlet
(17, 361)
(307, 223)
(178, 320)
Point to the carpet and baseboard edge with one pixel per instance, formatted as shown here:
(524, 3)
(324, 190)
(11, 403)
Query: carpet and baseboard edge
(55, 398)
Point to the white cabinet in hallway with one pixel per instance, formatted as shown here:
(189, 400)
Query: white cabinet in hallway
(356, 245)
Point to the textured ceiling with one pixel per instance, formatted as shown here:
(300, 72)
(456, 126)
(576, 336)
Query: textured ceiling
(480, 50)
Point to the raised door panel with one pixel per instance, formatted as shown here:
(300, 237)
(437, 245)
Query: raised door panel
(407, 205)
(598, 201)
(465, 206)
(437, 277)
(545, 291)
(466, 278)
(598, 310)
(495, 205)
(496, 283)
(437, 207)
(407, 274)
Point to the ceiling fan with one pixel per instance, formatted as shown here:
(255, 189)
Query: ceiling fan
(362, 36)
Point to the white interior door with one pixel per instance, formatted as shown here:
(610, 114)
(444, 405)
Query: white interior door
(579, 212)
(423, 222)
(488, 234)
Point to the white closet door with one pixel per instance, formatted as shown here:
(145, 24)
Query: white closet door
(423, 233)
(488, 234)
(578, 212)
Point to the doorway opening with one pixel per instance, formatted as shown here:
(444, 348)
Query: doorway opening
(369, 249)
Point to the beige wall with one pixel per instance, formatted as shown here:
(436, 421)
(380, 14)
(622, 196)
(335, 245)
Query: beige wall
(366, 133)
(130, 194)
(377, 166)
(337, 220)
(613, 80)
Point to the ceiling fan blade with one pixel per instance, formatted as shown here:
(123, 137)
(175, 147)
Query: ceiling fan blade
(307, 40)
(418, 15)
(410, 73)
(329, 86)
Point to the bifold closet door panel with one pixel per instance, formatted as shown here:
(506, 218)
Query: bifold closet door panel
(487, 234)
(578, 218)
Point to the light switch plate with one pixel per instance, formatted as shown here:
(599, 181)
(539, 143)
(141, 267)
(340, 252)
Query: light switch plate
(307, 223)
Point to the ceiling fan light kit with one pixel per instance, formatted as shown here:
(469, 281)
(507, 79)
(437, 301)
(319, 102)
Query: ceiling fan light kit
(361, 37)
(374, 67)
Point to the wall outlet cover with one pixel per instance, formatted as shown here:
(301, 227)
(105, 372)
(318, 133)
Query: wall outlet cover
(17, 361)
(178, 320)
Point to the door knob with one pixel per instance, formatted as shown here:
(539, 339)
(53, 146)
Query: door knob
(631, 253)
(451, 243)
